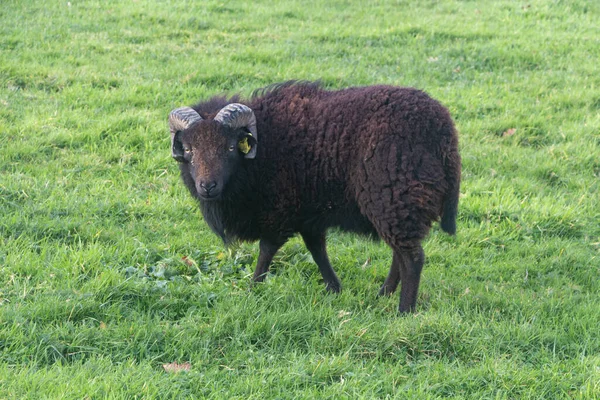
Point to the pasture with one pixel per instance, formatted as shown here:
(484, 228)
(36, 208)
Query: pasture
(108, 273)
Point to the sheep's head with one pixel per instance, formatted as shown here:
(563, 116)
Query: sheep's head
(214, 148)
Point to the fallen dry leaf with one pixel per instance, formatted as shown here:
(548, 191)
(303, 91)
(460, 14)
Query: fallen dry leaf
(176, 367)
(187, 261)
(366, 263)
(509, 132)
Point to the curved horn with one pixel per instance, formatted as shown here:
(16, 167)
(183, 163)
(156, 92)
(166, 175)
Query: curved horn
(237, 115)
(179, 120)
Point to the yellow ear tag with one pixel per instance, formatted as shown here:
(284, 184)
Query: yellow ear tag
(244, 146)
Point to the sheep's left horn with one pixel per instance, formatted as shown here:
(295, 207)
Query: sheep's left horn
(237, 115)
(179, 120)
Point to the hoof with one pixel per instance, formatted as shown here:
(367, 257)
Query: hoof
(386, 291)
(406, 310)
(333, 288)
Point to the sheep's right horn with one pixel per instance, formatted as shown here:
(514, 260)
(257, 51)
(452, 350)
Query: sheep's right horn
(179, 120)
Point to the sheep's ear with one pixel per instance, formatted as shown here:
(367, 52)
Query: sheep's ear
(248, 146)
(177, 147)
(238, 115)
(179, 120)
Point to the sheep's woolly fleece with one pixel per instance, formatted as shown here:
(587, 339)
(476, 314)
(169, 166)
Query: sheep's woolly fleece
(378, 160)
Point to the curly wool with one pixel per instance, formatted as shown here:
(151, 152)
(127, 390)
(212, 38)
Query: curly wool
(376, 160)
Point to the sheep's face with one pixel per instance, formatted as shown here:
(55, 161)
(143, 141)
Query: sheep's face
(213, 153)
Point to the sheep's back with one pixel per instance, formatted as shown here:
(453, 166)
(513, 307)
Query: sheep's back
(323, 138)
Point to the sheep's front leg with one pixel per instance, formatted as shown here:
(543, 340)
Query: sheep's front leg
(267, 251)
(315, 243)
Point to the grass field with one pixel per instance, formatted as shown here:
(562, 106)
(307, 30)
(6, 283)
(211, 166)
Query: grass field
(107, 271)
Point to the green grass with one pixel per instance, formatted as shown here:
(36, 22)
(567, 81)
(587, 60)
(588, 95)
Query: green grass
(95, 295)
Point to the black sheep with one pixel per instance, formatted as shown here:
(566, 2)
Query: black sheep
(295, 158)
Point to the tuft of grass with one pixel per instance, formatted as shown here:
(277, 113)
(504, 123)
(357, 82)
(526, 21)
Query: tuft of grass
(107, 271)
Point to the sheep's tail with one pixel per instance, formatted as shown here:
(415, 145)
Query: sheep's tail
(448, 222)
(453, 172)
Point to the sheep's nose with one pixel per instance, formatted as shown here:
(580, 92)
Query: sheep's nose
(207, 187)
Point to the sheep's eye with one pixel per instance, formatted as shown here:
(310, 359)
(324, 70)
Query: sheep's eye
(231, 148)
(187, 150)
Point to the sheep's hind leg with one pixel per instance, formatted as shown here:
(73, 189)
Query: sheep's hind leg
(393, 278)
(267, 251)
(315, 243)
(411, 263)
